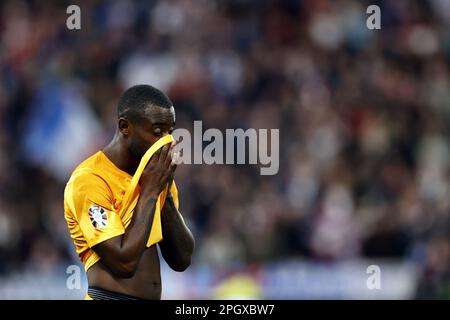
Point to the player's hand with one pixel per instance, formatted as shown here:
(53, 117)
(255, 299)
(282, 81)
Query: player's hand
(158, 171)
(176, 159)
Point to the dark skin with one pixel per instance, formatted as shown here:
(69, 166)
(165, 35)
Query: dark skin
(127, 265)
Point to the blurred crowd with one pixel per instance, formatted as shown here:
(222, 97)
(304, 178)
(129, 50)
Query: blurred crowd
(363, 117)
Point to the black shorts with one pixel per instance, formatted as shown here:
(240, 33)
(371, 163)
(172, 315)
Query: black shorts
(97, 293)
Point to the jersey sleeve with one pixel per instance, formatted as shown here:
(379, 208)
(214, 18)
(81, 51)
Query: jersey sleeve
(92, 207)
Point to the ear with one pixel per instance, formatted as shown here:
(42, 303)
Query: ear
(125, 127)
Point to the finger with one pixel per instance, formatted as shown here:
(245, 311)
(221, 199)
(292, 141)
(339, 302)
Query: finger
(173, 167)
(163, 155)
(169, 156)
(176, 158)
(155, 156)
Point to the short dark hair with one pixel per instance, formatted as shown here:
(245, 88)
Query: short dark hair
(135, 100)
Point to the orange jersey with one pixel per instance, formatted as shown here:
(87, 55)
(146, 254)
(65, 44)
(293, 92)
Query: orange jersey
(99, 200)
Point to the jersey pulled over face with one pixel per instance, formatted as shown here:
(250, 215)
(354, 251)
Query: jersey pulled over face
(156, 123)
(93, 200)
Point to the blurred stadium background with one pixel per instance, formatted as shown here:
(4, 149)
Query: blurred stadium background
(364, 124)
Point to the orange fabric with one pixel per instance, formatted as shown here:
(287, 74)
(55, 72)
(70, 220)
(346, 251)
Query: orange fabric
(99, 201)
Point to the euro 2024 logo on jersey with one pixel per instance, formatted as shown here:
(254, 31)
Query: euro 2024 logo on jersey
(98, 217)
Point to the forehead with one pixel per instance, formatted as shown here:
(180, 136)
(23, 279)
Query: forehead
(159, 115)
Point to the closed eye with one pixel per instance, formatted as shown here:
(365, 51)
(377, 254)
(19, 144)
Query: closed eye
(157, 131)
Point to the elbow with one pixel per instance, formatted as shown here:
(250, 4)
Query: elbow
(185, 260)
(181, 265)
(181, 260)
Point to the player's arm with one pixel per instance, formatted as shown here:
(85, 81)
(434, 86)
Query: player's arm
(121, 254)
(178, 242)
